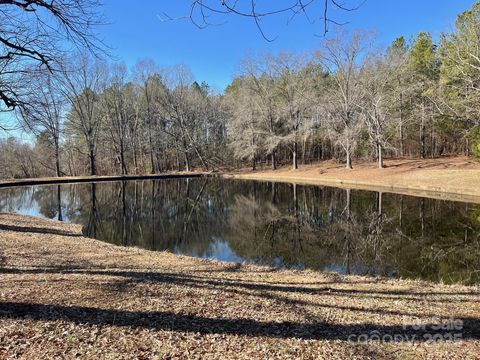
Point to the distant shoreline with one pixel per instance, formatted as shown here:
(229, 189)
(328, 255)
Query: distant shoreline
(453, 179)
(88, 179)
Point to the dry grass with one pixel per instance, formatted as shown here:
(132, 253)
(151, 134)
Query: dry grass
(65, 296)
(452, 178)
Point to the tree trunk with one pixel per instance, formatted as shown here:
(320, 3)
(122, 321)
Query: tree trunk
(152, 162)
(294, 154)
(304, 151)
(274, 162)
(187, 158)
(93, 166)
(433, 145)
(57, 159)
(123, 167)
(349, 158)
(422, 133)
(402, 145)
(135, 163)
(254, 155)
(177, 156)
(59, 203)
(380, 156)
(192, 143)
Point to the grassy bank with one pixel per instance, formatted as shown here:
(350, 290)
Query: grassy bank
(456, 178)
(65, 296)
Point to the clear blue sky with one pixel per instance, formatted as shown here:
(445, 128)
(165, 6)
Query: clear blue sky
(213, 54)
(135, 31)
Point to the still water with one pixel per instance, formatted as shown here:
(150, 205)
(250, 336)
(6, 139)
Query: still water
(285, 225)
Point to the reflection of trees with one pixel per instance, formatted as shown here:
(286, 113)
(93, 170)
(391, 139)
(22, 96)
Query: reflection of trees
(158, 215)
(440, 243)
(356, 232)
(310, 226)
(59, 203)
(371, 238)
(12, 199)
(293, 231)
(93, 218)
(257, 230)
(47, 202)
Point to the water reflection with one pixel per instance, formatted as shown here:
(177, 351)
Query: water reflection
(351, 232)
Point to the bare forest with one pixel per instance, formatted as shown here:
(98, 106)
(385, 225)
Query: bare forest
(350, 99)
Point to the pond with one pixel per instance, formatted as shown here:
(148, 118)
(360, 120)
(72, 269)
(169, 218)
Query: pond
(278, 224)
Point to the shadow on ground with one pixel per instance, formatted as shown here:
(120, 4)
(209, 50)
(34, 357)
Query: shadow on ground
(237, 326)
(188, 323)
(38, 230)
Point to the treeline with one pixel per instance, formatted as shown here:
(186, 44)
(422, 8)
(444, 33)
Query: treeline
(348, 100)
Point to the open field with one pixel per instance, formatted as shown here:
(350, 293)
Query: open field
(66, 296)
(451, 178)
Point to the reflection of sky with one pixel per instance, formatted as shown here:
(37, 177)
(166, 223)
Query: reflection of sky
(218, 249)
(33, 210)
(26, 204)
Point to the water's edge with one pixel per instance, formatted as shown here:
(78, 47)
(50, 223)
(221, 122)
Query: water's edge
(426, 191)
(94, 179)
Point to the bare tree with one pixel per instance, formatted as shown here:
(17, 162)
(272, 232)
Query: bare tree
(17, 160)
(182, 111)
(204, 13)
(261, 80)
(244, 129)
(44, 112)
(83, 81)
(293, 79)
(146, 75)
(35, 35)
(342, 57)
(117, 107)
(377, 79)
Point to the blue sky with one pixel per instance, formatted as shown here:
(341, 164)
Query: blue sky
(213, 54)
(135, 31)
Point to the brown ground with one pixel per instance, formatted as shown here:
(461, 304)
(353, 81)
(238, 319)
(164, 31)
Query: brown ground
(65, 296)
(454, 178)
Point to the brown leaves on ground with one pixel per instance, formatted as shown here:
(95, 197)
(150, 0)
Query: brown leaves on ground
(65, 296)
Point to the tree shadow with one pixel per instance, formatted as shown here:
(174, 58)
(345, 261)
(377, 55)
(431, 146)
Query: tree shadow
(189, 280)
(276, 292)
(38, 230)
(158, 320)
